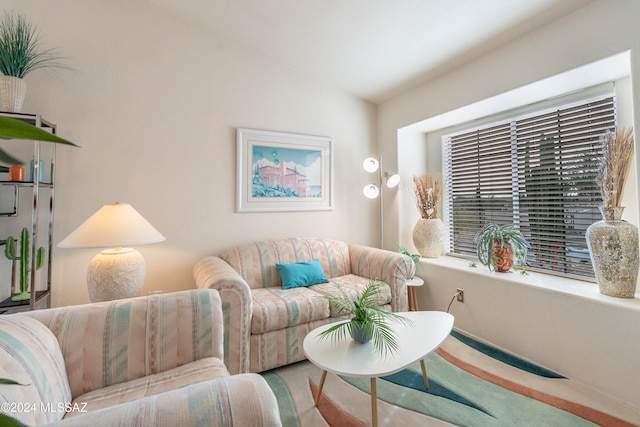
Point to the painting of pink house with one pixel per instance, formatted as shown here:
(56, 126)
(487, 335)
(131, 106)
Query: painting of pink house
(283, 172)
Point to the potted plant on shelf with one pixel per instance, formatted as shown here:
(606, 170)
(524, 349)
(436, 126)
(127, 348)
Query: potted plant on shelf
(369, 321)
(498, 246)
(20, 54)
(429, 233)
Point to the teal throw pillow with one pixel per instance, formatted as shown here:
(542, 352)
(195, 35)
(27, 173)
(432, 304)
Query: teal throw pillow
(301, 274)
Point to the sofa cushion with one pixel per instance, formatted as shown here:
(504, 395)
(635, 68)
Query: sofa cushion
(30, 355)
(352, 285)
(256, 262)
(299, 274)
(191, 373)
(277, 308)
(237, 400)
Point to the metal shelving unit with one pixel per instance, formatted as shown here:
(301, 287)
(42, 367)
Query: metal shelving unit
(40, 223)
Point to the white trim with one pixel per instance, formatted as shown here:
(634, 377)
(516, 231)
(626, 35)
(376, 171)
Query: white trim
(544, 282)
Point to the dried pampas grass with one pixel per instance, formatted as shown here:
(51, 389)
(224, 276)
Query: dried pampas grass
(428, 189)
(614, 165)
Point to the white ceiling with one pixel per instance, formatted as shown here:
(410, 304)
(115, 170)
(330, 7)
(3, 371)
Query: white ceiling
(374, 49)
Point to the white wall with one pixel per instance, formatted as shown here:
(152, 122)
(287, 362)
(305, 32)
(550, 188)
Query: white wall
(592, 339)
(154, 102)
(563, 45)
(560, 325)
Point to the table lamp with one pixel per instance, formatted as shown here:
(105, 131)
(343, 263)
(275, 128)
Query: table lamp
(118, 272)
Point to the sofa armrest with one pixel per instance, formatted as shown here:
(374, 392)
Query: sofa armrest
(239, 400)
(391, 267)
(237, 302)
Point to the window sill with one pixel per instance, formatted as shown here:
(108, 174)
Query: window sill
(544, 282)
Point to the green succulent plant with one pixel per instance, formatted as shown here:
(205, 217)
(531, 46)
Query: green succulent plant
(367, 316)
(493, 237)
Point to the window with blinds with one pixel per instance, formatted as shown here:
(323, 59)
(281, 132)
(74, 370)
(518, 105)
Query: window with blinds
(537, 172)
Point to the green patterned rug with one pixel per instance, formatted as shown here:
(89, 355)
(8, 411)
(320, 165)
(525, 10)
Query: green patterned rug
(470, 384)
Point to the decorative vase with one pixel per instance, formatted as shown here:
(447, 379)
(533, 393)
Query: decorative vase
(503, 256)
(613, 247)
(16, 173)
(359, 334)
(429, 236)
(40, 170)
(12, 93)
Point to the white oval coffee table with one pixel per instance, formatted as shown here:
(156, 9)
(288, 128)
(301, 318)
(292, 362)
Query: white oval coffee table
(351, 359)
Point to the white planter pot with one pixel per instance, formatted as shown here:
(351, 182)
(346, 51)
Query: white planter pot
(12, 93)
(429, 237)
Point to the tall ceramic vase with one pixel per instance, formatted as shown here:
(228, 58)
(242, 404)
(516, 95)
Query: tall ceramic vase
(613, 246)
(429, 237)
(12, 93)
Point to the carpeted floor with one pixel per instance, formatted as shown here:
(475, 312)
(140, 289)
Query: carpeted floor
(470, 384)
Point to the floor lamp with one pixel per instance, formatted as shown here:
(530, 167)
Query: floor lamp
(118, 272)
(372, 191)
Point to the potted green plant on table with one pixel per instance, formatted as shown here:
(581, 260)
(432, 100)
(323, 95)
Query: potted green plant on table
(498, 246)
(20, 54)
(369, 321)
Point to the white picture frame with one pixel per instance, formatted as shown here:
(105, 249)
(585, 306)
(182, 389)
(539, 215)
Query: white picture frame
(279, 172)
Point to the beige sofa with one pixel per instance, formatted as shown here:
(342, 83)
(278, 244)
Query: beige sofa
(265, 324)
(147, 361)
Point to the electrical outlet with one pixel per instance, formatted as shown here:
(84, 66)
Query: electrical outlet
(460, 295)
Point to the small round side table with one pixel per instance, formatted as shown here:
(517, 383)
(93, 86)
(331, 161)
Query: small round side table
(411, 290)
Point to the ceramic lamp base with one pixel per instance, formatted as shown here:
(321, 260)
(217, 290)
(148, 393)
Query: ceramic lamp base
(115, 274)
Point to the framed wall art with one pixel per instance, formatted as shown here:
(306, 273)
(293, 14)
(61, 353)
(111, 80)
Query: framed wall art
(283, 172)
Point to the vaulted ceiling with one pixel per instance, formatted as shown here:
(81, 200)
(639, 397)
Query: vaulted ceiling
(374, 49)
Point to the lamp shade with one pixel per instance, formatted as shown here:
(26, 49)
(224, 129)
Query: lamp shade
(113, 225)
(370, 164)
(371, 191)
(393, 180)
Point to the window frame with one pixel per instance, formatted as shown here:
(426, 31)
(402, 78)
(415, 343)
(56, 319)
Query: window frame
(510, 119)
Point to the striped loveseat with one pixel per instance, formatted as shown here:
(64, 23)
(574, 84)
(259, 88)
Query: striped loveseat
(265, 324)
(146, 361)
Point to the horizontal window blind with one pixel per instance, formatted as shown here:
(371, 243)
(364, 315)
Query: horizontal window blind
(537, 172)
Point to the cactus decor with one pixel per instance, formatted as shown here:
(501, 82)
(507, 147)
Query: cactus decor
(23, 257)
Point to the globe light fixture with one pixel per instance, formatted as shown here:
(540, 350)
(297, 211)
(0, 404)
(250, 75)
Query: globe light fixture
(370, 164)
(374, 190)
(371, 191)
